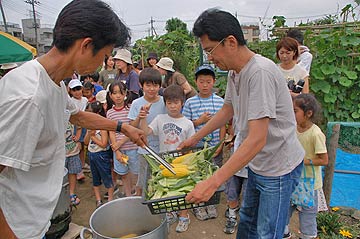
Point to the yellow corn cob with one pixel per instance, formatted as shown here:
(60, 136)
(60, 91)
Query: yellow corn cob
(181, 158)
(180, 172)
(176, 165)
(125, 158)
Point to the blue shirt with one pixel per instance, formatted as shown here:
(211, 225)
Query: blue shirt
(195, 106)
(155, 109)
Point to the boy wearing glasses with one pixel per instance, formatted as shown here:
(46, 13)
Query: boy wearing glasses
(259, 101)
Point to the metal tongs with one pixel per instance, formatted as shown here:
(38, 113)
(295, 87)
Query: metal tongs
(160, 160)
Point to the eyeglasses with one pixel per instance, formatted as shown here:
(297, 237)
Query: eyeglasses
(208, 53)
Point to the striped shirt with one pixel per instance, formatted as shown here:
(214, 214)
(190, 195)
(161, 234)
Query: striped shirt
(122, 115)
(195, 106)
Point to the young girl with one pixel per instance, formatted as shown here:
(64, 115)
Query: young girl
(99, 157)
(312, 139)
(125, 152)
(76, 93)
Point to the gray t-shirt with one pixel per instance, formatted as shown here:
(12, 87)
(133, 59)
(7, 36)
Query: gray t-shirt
(259, 91)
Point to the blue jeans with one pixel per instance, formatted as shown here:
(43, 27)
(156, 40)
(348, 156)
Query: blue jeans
(266, 205)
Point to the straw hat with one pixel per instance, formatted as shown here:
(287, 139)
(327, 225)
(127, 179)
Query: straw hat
(123, 54)
(166, 63)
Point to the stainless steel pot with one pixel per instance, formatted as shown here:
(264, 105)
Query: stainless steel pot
(125, 216)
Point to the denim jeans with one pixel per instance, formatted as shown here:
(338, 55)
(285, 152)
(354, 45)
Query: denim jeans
(266, 205)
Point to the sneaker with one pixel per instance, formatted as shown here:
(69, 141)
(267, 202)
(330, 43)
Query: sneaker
(211, 211)
(287, 235)
(230, 225)
(86, 166)
(171, 217)
(80, 176)
(183, 224)
(200, 213)
(98, 203)
(116, 191)
(227, 211)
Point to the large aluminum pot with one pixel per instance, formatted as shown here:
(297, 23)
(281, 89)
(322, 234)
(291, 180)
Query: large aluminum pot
(125, 216)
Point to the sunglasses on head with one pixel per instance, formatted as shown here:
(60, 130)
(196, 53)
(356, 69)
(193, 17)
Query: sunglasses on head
(77, 88)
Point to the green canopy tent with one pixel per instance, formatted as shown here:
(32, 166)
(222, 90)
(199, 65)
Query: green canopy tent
(13, 49)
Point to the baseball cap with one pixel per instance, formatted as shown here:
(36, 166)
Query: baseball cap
(203, 69)
(74, 83)
(101, 96)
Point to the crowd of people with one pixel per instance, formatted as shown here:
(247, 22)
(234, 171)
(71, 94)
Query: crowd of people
(108, 116)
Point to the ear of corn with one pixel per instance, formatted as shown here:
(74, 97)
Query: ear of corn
(125, 158)
(180, 159)
(175, 165)
(180, 172)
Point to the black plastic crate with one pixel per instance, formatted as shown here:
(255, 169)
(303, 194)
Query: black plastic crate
(176, 203)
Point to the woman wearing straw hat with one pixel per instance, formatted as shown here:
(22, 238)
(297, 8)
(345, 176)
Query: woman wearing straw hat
(126, 73)
(165, 66)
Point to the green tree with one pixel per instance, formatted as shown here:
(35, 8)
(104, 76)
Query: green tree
(175, 24)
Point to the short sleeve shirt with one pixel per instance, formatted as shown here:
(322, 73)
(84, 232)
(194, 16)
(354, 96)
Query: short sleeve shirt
(155, 109)
(171, 131)
(259, 91)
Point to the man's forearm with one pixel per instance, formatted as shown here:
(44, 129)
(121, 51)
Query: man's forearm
(93, 121)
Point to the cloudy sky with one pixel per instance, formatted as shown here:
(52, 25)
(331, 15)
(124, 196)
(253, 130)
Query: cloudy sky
(138, 13)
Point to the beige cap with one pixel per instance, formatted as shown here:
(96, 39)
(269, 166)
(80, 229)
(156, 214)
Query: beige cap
(123, 54)
(166, 63)
(8, 66)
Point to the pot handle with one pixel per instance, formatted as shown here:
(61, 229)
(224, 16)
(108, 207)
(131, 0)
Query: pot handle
(85, 229)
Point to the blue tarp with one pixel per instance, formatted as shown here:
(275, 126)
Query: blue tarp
(346, 187)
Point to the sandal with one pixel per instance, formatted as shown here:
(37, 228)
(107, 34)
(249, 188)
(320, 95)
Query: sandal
(74, 200)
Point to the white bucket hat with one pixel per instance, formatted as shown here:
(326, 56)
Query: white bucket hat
(101, 96)
(166, 63)
(123, 54)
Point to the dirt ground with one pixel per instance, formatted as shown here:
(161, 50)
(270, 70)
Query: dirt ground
(212, 228)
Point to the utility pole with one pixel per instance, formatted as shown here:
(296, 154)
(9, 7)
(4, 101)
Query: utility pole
(32, 3)
(152, 29)
(3, 15)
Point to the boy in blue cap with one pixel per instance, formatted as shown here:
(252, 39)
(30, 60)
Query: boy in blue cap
(199, 109)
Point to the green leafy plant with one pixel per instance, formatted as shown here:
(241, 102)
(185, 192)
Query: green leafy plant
(328, 224)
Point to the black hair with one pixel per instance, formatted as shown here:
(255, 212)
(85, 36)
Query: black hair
(97, 108)
(205, 72)
(217, 25)
(88, 85)
(123, 90)
(174, 92)
(308, 102)
(67, 81)
(95, 76)
(105, 63)
(296, 34)
(88, 18)
(150, 75)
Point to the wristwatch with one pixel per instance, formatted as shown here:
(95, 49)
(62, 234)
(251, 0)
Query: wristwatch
(118, 127)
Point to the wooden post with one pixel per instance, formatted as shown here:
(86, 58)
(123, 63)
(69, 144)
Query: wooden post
(329, 170)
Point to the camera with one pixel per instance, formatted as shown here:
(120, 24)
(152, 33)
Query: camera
(296, 88)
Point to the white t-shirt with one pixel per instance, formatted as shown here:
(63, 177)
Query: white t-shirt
(171, 131)
(80, 103)
(296, 73)
(34, 112)
(93, 147)
(260, 91)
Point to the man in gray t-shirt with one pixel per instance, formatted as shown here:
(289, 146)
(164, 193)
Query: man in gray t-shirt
(259, 101)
